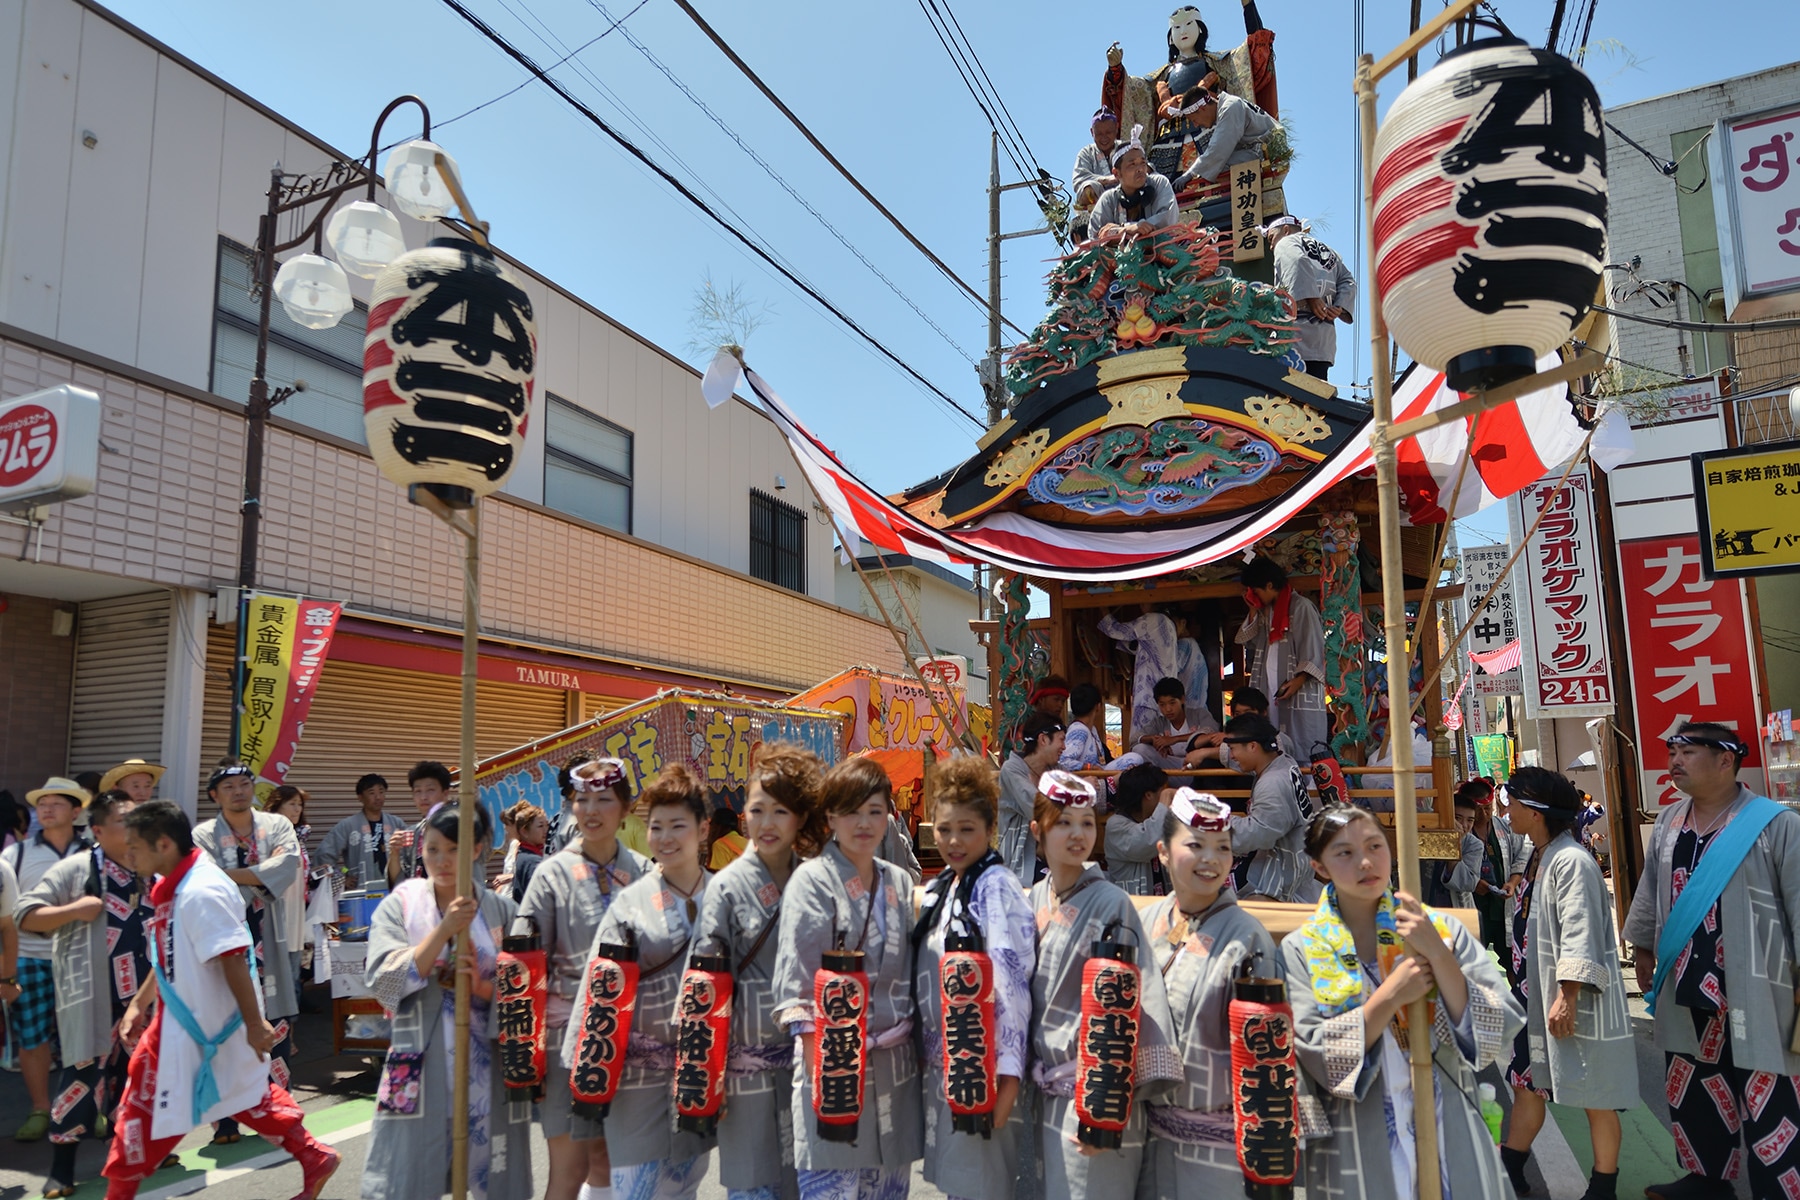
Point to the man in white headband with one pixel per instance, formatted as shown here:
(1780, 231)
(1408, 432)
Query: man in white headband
(1093, 170)
(1323, 289)
(1235, 130)
(1140, 203)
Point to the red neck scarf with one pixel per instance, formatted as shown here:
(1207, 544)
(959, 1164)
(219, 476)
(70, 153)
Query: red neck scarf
(528, 848)
(1278, 614)
(163, 890)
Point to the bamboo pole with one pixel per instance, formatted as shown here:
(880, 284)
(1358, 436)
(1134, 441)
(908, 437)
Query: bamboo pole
(1393, 611)
(468, 797)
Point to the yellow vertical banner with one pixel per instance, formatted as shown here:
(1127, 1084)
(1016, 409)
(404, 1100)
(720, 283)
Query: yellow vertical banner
(268, 645)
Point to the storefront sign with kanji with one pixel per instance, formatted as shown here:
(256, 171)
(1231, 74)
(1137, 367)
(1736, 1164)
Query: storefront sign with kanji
(1568, 667)
(1756, 186)
(1498, 624)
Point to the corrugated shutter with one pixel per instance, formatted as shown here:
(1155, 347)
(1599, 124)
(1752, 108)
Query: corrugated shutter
(593, 704)
(121, 673)
(367, 718)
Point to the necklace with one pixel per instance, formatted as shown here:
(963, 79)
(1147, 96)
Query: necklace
(693, 910)
(1710, 829)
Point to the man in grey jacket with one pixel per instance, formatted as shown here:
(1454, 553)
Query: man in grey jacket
(1270, 838)
(1235, 131)
(1323, 289)
(1141, 203)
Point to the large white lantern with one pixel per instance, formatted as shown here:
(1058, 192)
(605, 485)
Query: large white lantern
(1490, 210)
(314, 291)
(447, 370)
(365, 237)
(414, 182)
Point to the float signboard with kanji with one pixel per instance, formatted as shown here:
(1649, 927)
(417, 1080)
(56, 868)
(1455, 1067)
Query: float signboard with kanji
(1756, 199)
(1748, 501)
(1568, 665)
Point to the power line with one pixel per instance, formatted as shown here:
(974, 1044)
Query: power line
(797, 123)
(1703, 326)
(964, 70)
(992, 90)
(687, 194)
(789, 188)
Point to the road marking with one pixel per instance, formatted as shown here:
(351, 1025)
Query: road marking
(261, 1162)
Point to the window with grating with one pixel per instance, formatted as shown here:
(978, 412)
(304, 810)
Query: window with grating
(777, 541)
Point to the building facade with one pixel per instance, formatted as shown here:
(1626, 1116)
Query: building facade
(642, 541)
(942, 601)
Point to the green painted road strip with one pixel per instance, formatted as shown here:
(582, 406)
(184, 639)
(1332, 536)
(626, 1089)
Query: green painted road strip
(1646, 1157)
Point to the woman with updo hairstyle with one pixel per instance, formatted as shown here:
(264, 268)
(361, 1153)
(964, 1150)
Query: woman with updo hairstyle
(739, 919)
(974, 895)
(1352, 968)
(849, 898)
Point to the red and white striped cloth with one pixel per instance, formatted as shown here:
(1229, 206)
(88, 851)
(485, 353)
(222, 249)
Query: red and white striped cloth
(1499, 662)
(1515, 445)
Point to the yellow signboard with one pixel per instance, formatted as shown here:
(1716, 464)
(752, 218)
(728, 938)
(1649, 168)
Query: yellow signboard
(1749, 504)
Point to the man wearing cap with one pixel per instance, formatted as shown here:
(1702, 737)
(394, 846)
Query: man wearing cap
(135, 777)
(1323, 289)
(34, 1012)
(260, 852)
(356, 848)
(1140, 203)
(1041, 738)
(1093, 170)
(1715, 927)
(1270, 838)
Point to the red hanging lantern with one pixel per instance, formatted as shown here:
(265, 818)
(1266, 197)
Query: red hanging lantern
(840, 1061)
(971, 1031)
(1490, 210)
(520, 995)
(702, 1038)
(1264, 1081)
(1328, 774)
(610, 999)
(1106, 1058)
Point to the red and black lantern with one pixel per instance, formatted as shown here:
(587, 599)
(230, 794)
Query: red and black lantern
(1106, 1058)
(971, 1031)
(1328, 775)
(702, 1038)
(840, 1061)
(520, 994)
(609, 1000)
(1264, 1086)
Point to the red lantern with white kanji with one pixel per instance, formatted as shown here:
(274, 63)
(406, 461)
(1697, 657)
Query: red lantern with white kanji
(447, 370)
(1490, 210)
(840, 1061)
(702, 1039)
(1265, 1099)
(971, 1031)
(1107, 1042)
(520, 995)
(609, 1000)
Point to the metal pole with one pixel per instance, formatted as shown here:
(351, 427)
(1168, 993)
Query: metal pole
(1393, 612)
(991, 375)
(468, 796)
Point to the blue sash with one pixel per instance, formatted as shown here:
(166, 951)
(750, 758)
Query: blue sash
(206, 1083)
(1707, 884)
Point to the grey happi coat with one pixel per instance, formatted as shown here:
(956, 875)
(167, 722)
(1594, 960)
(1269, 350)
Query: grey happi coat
(82, 966)
(277, 866)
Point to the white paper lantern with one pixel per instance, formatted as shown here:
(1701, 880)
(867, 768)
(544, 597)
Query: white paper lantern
(447, 370)
(313, 290)
(1490, 210)
(414, 183)
(365, 237)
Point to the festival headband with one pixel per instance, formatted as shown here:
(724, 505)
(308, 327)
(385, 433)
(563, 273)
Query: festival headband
(1103, 113)
(1205, 98)
(1530, 801)
(1066, 790)
(1175, 17)
(608, 773)
(223, 773)
(1715, 743)
(1285, 221)
(1042, 690)
(1124, 148)
(1200, 810)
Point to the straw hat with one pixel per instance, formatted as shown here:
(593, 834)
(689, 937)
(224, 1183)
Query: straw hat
(56, 785)
(131, 766)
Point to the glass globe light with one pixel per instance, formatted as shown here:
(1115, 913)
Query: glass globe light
(365, 237)
(413, 181)
(314, 291)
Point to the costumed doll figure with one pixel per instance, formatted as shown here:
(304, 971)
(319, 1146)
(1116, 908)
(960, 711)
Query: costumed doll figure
(974, 904)
(1198, 937)
(1247, 71)
(848, 899)
(567, 897)
(1351, 970)
(1074, 907)
(739, 918)
(1577, 1047)
(657, 914)
(412, 968)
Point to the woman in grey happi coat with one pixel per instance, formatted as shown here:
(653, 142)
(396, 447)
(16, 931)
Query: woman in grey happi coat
(1351, 969)
(849, 898)
(1579, 1042)
(739, 918)
(657, 914)
(409, 971)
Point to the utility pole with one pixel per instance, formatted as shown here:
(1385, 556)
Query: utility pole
(990, 366)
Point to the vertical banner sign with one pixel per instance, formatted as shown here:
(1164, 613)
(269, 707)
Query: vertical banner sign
(1246, 212)
(1498, 624)
(1568, 665)
(286, 644)
(1493, 756)
(1690, 652)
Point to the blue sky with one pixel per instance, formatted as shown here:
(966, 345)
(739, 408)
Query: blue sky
(875, 85)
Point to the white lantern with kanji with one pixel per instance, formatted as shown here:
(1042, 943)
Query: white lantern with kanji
(1490, 210)
(447, 370)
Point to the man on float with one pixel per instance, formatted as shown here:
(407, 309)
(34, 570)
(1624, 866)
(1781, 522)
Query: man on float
(1286, 638)
(1164, 740)
(1230, 131)
(1140, 203)
(1323, 289)
(1093, 170)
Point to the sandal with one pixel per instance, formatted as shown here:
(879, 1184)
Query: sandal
(34, 1128)
(174, 1160)
(55, 1189)
(226, 1133)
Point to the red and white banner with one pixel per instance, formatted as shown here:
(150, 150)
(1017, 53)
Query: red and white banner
(1568, 665)
(286, 641)
(1690, 652)
(1499, 662)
